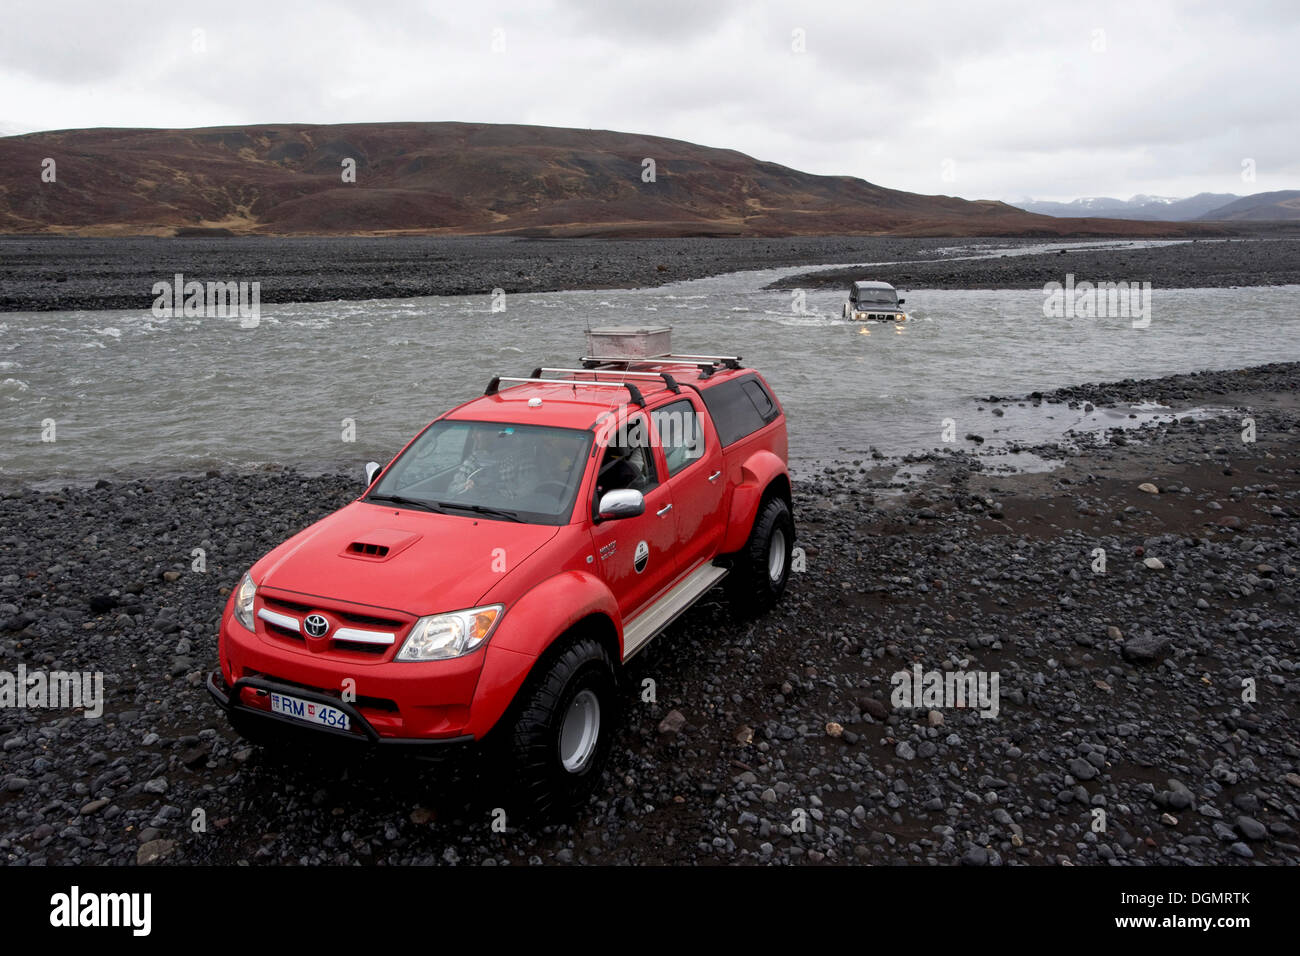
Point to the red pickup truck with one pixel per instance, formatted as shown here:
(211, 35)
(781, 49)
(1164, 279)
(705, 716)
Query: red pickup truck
(496, 575)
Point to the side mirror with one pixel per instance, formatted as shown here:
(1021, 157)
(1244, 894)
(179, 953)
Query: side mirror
(901, 301)
(622, 503)
(372, 468)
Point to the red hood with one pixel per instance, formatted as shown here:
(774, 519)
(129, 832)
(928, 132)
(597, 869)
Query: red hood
(434, 562)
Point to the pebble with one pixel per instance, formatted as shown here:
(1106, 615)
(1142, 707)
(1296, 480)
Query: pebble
(672, 723)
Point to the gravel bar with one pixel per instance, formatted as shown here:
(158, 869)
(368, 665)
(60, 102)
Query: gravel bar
(1147, 715)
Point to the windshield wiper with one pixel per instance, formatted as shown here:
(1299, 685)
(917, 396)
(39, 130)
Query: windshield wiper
(483, 510)
(401, 500)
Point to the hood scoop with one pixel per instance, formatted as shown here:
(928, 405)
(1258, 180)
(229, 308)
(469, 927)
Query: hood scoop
(380, 545)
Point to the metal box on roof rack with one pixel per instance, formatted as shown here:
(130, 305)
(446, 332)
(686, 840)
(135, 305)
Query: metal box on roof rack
(630, 341)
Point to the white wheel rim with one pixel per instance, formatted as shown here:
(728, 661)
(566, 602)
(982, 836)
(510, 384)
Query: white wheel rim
(776, 556)
(579, 732)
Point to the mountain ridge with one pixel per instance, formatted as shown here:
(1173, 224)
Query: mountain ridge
(1139, 207)
(1273, 206)
(1261, 207)
(458, 178)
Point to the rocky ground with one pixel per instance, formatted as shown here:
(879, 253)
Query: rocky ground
(1201, 264)
(1162, 691)
(48, 273)
(44, 273)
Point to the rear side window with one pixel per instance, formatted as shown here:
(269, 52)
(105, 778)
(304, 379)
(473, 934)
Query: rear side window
(740, 408)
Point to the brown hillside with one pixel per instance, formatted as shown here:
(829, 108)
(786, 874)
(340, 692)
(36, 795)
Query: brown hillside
(464, 178)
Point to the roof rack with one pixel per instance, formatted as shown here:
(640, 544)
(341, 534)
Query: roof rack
(662, 376)
(728, 361)
(494, 386)
(707, 364)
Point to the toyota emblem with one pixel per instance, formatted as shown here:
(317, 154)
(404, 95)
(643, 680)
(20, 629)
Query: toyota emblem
(316, 626)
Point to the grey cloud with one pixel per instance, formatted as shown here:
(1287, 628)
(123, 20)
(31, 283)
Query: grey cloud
(1013, 93)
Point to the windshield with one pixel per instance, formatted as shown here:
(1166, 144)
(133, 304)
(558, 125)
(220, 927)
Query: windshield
(877, 297)
(525, 472)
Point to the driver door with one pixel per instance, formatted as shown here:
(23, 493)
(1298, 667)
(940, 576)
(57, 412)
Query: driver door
(636, 556)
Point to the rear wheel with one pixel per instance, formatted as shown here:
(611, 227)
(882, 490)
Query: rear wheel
(562, 734)
(762, 569)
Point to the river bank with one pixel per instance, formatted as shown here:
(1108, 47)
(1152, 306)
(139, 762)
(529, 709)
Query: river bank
(1161, 692)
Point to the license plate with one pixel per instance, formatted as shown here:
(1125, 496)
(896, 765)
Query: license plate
(309, 711)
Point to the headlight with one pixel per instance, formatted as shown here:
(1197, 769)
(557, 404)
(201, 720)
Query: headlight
(244, 601)
(443, 636)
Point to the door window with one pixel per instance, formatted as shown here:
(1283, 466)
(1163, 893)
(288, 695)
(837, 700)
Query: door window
(680, 433)
(628, 461)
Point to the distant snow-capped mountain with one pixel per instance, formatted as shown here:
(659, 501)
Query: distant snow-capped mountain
(1141, 206)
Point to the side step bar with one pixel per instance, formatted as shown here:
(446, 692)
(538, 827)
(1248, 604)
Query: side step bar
(637, 633)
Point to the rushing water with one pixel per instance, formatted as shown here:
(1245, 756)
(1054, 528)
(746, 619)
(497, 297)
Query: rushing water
(130, 394)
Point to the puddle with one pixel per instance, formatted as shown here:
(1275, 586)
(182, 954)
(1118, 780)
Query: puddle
(1068, 429)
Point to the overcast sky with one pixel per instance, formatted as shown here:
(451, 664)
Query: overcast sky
(976, 99)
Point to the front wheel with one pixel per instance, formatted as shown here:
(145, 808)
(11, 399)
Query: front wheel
(762, 570)
(562, 734)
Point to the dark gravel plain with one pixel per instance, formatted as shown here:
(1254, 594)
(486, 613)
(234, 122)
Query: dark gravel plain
(1200, 264)
(42, 274)
(1120, 692)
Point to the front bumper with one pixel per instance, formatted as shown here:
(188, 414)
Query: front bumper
(231, 698)
(403, 701)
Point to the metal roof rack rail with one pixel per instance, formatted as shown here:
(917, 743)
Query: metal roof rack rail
(707, 364)
(727, 361)
(494, 386)
(666, 378)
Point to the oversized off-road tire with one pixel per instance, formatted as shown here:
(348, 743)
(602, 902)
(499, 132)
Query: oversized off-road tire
(761, 569)
(562, 733)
